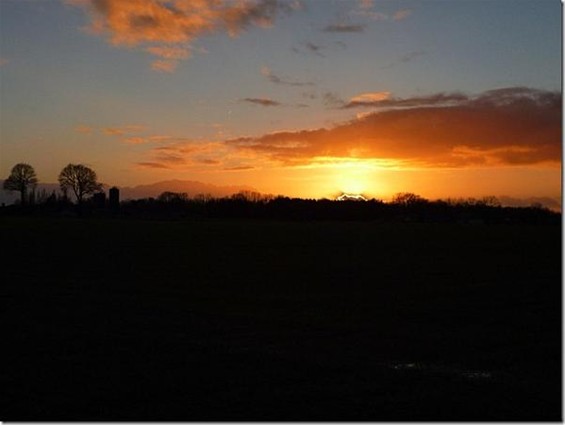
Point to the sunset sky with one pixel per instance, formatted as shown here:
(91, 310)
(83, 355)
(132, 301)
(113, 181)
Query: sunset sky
(301, 98)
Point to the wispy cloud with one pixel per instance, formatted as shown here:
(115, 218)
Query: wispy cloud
(261, 101)
(366, 9)
(135, 140)
(170, 57)
(240, 168)
(168, 66)
(130, 134)
(167, 28)
(273, 78)
(385, 100)
(366, 4)
(123, 130)
(316, 49)
(332, 100)
(404, 59)
(399, 15)
(169, 52)
(157, 165)
(170, 159)
(84, 129)
(345, 28)
(510, 126)
(371, 97)
(198, 155)
(209, 161)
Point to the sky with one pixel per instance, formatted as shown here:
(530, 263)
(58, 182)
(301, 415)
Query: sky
(305, 98)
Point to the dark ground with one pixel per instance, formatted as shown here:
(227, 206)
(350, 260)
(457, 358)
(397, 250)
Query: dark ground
(234, 320)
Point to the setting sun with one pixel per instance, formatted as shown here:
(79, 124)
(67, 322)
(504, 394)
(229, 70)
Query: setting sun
(287, 97)
(356, 178)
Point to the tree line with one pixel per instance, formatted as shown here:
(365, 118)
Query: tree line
(82, 181)
(404, 207)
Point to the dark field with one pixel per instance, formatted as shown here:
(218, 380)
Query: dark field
(192, 321)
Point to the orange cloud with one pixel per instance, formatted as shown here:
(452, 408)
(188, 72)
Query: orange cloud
(401, 14)
(169, 66)
(508, 126)
(166, 28)
(134, 140)
(84, 129)
(373, 97)
(170, 55)
(366, 4)
(153, 165)
(120, 131)
(185, 153)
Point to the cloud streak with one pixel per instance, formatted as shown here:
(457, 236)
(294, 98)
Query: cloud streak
(123, 130)
(402, 14)
(183, 154)
(275, 79)
(365, 9)
(384, 100)
(261, 101)
(404, 59)
(345, 28)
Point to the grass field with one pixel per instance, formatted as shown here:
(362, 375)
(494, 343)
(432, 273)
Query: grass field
(243, 320)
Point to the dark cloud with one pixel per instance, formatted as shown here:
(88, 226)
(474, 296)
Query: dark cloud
(404, 59)
(309, 95)
(153, 165)
(239, 168)
(208, 161)
(332, 100)
(170, 158)
(340, 28)
(508, 126)
(314, 48)
(439, 99)
(261, 101)
(273, 78)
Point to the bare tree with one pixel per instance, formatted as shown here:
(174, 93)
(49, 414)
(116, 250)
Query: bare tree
(407, 198)
(81, 179)
(21, 177)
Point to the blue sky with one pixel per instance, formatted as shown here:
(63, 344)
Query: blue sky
(57, 77)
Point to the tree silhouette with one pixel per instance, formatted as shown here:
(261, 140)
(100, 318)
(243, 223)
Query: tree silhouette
(79, 178)
(21, 176)
(407, 198)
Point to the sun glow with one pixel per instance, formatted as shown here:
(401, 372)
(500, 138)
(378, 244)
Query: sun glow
(331, 176)
(355, 176)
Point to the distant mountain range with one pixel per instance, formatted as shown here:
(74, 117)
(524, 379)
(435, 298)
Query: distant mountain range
(190, 187)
